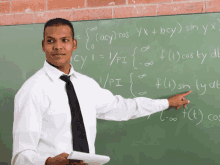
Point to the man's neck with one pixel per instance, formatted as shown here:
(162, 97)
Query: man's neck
(66, 71)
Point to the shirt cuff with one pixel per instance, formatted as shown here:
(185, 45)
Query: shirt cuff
(162, 104)
(40, 160)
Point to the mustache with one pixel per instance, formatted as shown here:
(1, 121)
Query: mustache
(58, 53)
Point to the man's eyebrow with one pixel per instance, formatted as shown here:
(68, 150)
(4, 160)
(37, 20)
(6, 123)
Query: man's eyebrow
(54, 38)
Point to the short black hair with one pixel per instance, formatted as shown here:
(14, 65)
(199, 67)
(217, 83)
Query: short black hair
(58, 22)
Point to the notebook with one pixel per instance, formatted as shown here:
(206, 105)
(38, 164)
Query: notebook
(91, 159)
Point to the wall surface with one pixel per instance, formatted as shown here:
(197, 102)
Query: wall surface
(13, 12)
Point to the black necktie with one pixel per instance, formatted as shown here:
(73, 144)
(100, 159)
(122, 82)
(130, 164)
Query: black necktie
(80, 142)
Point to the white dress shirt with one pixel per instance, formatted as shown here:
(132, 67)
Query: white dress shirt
(42, 116)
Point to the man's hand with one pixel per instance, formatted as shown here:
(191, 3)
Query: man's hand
(178, 100)
(61, 159)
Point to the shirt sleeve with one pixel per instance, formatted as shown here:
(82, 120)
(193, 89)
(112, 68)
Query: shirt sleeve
(115, 107)
(27, 128)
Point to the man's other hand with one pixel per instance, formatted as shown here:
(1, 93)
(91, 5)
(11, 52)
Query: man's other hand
(61, 159)
(178, 100)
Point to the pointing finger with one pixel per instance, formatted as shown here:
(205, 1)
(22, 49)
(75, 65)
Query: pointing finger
(185, 94)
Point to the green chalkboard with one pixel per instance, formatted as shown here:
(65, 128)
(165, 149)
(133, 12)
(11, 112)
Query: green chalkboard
(154, 57)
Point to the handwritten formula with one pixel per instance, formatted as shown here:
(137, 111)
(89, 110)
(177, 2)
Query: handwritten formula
(151, 54)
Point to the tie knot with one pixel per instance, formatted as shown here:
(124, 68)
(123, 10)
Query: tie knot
(65, 78)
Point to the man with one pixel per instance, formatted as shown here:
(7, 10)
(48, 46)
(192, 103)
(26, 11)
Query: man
(42, 116)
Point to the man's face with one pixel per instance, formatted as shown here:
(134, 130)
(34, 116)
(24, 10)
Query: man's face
(58, 45)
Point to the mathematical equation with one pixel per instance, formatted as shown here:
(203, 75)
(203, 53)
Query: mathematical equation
(150, 55)
(96, 36)
(119, 59)
(192, 114)
(202, 87)
(176, 56)
(114, 58)
(165, 83)
(178, 28)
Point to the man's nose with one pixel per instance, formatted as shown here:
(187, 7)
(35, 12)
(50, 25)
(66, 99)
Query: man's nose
(57, 45)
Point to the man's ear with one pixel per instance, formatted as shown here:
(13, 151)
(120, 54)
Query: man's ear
(74, 44)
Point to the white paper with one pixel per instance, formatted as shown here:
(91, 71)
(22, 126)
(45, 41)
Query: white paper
(91, 159)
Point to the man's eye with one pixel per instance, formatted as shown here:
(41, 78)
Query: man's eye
(49, 40)
(65, 40)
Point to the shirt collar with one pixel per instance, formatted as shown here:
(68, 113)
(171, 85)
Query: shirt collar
(55, 73)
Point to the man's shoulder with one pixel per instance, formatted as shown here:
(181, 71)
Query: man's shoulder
(83, 76)
(34, 83)
(86, 80)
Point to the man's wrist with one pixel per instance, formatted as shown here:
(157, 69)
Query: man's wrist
(168, 103)
(47, 161)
